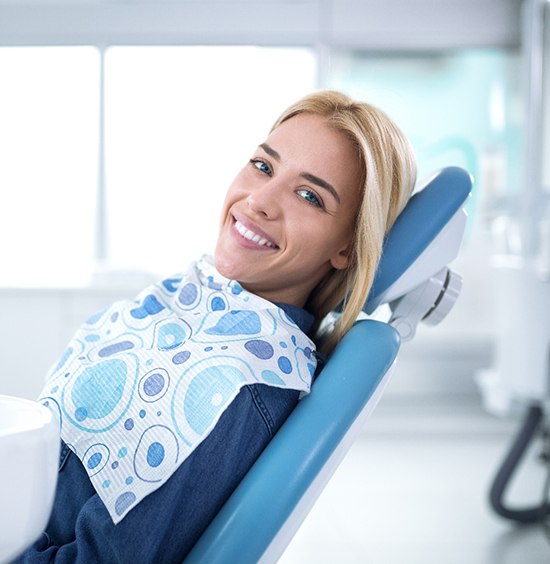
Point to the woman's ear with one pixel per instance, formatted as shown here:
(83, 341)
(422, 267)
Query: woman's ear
(341, 259)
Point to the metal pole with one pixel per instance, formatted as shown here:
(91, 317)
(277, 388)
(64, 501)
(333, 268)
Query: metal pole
(101, 240)
(533, 56)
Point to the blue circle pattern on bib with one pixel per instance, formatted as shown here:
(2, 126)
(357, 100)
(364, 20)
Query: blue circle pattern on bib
(143, 382)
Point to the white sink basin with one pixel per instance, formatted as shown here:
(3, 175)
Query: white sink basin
(29, 452)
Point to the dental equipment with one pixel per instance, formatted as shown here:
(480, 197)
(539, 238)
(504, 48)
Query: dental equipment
(277, 493)
(521, 373)
(29, 455)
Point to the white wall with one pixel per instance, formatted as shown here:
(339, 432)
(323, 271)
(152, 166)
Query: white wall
(35, 327)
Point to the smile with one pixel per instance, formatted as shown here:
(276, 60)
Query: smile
(254, 237)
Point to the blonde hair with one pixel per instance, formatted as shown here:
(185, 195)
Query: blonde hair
(388, 177)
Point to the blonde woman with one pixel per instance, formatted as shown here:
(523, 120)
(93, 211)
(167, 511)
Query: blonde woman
(166, 401)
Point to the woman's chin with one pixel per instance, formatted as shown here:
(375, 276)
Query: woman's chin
(225, 266)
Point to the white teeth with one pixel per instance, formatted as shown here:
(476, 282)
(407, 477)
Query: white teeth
(251, 236)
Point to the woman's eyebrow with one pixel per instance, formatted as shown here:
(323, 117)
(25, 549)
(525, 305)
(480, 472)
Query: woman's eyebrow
(306, 175)
(271, 151)
(322, 184)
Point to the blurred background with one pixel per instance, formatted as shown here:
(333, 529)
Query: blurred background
(123, 122)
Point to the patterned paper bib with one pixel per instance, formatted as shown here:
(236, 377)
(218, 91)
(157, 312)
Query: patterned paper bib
(143, 383)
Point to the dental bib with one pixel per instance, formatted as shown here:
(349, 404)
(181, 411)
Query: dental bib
(143, 383)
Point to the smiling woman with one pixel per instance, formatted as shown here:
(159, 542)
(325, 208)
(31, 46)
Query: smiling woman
(301, 223)
(165, 402)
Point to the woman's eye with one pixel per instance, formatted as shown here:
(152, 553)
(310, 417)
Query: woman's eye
(261, 166)
(310, 197)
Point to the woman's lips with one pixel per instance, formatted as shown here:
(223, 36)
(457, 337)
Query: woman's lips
(251, 234)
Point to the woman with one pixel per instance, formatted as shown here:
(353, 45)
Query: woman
(301, 233)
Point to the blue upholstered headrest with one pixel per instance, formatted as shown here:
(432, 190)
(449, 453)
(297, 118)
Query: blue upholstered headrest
(425, 215)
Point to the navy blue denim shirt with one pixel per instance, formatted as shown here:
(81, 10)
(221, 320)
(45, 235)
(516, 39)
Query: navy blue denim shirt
(166, 524)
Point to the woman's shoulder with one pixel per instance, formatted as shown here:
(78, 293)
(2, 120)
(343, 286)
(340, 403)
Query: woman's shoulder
(300, 316)
(273, 404)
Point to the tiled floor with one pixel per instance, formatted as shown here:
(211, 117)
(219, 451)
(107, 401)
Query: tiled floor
(413, 490)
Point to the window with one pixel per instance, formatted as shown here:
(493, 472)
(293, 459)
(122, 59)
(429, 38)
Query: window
(180, 121)
(48, 163)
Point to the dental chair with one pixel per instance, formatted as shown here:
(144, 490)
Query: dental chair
(260, 518)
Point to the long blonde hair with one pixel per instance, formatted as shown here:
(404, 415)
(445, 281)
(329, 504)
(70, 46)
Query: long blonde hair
(388, 178)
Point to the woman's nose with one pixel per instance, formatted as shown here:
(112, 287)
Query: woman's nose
(266, 199)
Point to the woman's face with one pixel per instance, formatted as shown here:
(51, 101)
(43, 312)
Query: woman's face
(288, 217)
